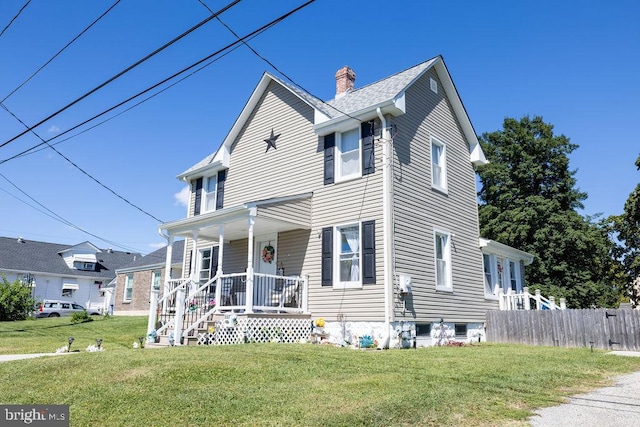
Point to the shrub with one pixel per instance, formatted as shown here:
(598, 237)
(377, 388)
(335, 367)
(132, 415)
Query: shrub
(16, 302)
(81, 317)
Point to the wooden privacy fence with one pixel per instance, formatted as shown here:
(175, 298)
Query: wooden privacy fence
(597, 328)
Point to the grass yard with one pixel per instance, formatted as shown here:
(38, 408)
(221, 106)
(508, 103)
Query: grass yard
(292, 385)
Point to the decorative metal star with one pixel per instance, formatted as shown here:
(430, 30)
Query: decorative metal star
(271, 141)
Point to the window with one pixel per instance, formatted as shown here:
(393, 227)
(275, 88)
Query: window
(67, 293)
(433, 85)
(490, 284)
(88, 266)
(156, 278)
(513, 276)
(210, 187)
(348, 259)
(438, 165)
(348, 255)
(348, 161)
(208, 264)
(442, 242)
(128, 287)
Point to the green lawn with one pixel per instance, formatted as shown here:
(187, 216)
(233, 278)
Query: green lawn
(284, 384)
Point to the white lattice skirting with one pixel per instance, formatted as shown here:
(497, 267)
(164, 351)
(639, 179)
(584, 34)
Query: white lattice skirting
(259, 330)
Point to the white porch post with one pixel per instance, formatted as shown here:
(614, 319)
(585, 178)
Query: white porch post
(249, 302)
(563, 304)
(219, 270)
(193, 277)
(501, 304)
(305, 292)
(552, 303)
(179, 319)
(153, 306)
(527, 301)
(538, 300)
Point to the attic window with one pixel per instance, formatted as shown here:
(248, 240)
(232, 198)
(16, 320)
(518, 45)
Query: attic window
(434, 85)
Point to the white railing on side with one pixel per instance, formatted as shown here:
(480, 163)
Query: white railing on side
(522, 301)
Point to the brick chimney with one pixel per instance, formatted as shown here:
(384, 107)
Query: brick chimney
(345, 77)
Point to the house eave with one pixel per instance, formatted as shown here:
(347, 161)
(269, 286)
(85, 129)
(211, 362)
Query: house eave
(394, 106)
(505, 250)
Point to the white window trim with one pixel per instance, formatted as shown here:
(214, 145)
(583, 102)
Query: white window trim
(443, 166)
(516, 272)
(493, 268)
(337, 170)
(154, 274)
(199, 262)
(337, 284)
(447, 254)
(206, 195)
(128, 279)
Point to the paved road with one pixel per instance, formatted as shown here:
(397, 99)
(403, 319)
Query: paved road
(617, 405)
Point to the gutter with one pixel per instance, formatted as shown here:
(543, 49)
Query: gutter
(386, 224)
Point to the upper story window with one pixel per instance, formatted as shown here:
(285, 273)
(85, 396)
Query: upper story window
(438, 165)
(348, 160)
(210, 193)
(442, 241)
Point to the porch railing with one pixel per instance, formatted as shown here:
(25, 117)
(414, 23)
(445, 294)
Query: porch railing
(522, 301)
(187, 305)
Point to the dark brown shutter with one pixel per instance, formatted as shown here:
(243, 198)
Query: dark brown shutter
(196, 184)
(327, 256)
(368, 252)
(222, 177)
(366, 133)
(329, 150)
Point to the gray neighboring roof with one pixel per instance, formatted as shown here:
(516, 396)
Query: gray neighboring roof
(156, 258)
(30, 256)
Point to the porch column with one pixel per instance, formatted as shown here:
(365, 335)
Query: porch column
(178, 321)
(194, 261)
(527, 301)
(153, 305)
(219, 270)
(249, 301)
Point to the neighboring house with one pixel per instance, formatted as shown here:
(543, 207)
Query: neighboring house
(78, 273)
(361, 210)
(134, 281)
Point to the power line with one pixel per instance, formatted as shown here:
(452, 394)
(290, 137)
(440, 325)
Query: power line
(55, 216)
(60, 51)
(219, 51)
(79, 168)
(121, 73)
(272, 65)
(14, 18)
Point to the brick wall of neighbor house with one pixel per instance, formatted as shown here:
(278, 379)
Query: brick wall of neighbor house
(141, 292)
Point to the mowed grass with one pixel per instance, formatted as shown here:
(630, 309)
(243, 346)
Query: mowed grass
(290, 385)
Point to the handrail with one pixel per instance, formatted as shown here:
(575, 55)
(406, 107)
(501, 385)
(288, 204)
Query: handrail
(522, 301)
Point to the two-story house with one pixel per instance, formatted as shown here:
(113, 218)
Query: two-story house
(361, 210)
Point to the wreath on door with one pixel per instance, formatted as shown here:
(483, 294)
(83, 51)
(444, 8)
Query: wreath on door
(268, 253)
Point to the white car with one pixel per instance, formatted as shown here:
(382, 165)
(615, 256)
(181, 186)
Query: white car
(55, 308)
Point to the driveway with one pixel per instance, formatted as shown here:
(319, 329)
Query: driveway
(617, 405)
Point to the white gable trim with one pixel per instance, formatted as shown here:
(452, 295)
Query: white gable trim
(497, 248)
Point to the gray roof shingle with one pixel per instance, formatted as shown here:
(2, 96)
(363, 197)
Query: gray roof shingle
(31, 256)
(158, 257)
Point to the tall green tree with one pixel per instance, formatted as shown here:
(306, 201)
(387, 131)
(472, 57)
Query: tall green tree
(529, 200)
(16, 302)
(627, 228)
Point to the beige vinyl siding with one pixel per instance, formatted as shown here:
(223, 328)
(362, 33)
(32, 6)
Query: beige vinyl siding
(418, 209)
(292, 247)
(290, 169)
(296, 211)
(342, 203)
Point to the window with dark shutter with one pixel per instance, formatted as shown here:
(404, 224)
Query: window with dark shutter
(368, 252)
(197, 185)
(222, 177)
(327, 256)
(329, 149)
(366, 133)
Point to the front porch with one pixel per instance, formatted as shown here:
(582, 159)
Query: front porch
(523, 301)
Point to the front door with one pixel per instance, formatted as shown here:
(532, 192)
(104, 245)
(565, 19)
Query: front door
(265, 259)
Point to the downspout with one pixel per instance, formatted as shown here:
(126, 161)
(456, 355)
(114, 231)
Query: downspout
(387, 229)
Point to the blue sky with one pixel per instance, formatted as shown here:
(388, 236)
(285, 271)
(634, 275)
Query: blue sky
(575, 63)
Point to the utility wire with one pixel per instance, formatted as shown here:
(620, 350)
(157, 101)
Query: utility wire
(59, 218)
(219, 51)
(78, 167)
(272, 65)
(126, 70)
(60, 51)
(14, 18)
